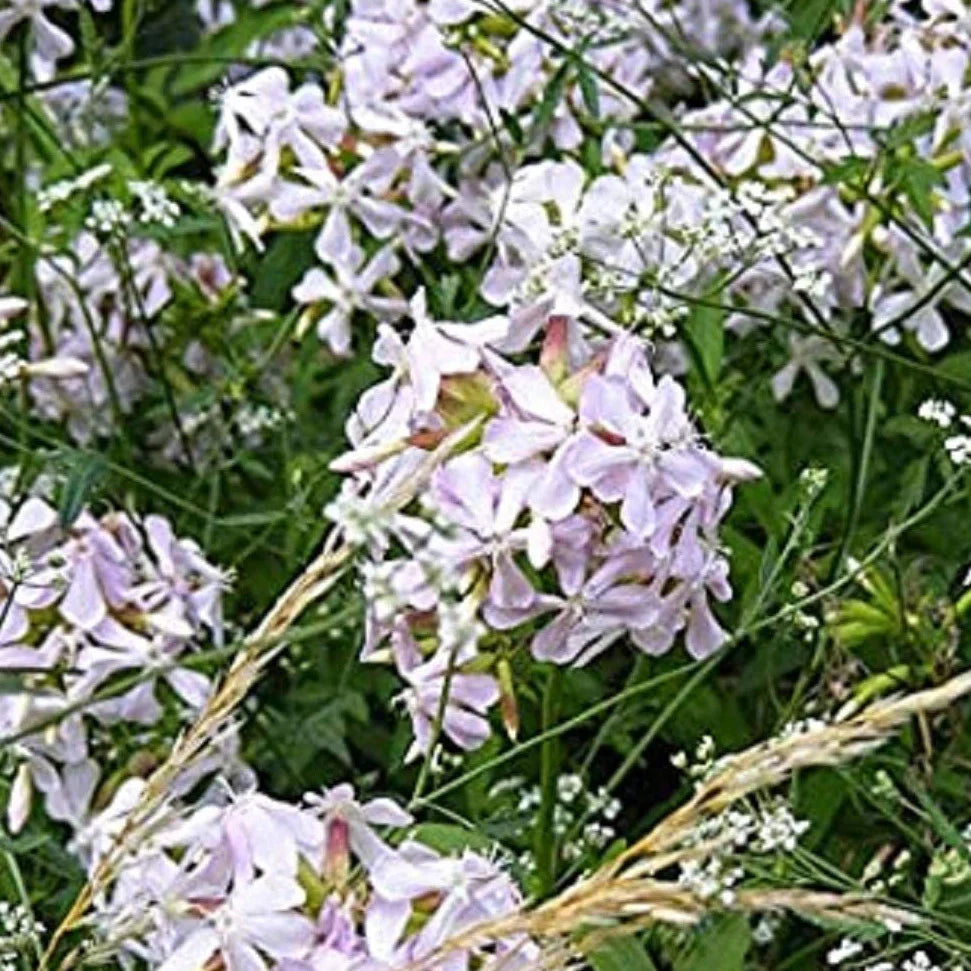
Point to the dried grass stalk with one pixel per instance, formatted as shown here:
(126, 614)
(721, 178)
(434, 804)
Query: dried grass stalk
(625, 896)
(258, 649)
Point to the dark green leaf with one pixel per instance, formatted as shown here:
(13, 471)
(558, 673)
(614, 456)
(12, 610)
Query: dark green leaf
(621, 954)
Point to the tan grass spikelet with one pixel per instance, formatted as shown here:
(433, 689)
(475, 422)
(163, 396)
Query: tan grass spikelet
(258, 649)
(625, 896)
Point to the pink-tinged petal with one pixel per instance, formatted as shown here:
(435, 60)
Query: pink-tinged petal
(637, 512)
(395, 879)
(14, 622)
(514, 490)
(115, 634)
(80, 779)
(335, 244)
(382, 265)
(590, 458)
(84, 604)
(274, 852)
(507, 619)
(468, 730)
(477, 691)
(655, 640)
(162, 540)
(716, 581)
(12, 658)
(386, 812)
(605, 403)
(628, 604)
(20, 799)
(170, 620)
(192, 687)
(704, 635)
(465, 489)
(509, 588)
(555, 495)
(539, 543)
(40, 590)
(532, 392)
(551, 643)
(380, 218)
(687, 472)
(291, 200)
(280, 935)
(384, 923)
(482, 333)
(500, 284)
(237, 841)
(267, 894)
(34, 516)
(194, 952)
(510, 440)
(240, 956)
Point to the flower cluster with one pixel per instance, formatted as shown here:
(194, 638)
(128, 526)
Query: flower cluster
(18, 932)
(96, 310)
(95, 615)
(727, 838)
(245, 880)
(584, 821)
(945, 416)
(378, 162)
(919, 960)
(582, 507)
(896, 89)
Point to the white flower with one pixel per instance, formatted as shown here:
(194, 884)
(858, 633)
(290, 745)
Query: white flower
(846, 949)
(50, 42)
(256, 919)
(938, 411)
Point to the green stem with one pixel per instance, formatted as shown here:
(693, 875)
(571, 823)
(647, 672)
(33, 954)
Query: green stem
(18, 882)
(545, 839)
(863, 468)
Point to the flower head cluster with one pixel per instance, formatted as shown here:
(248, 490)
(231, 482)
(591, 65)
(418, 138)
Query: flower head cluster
(727, 838)
(584, 820)
(247, 881)
(576, 504)
(945, 416)
(18, 932)
(95, 312)
(82, 605)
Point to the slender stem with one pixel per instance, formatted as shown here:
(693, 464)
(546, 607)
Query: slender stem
(18, 882)
(545, 837)
(863, 469)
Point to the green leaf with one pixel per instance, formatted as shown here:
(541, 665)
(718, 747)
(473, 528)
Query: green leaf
(705, 331)
(287, 258)
(447, 838)
(721, 945)
(82, 480)
(511, 124)
(956, 366)
(545, 110)
(588, 88)
(918, 179)
(847, 170)
(621, 954)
